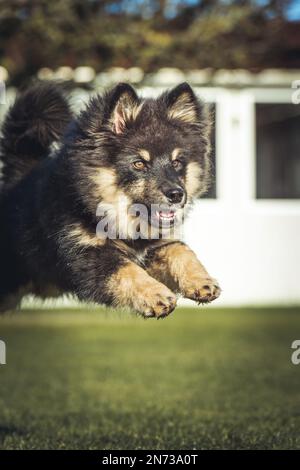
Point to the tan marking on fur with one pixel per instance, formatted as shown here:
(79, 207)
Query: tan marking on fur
(125, 111)
(132, 287)
(175, 153)
(183, 109)
(107, 189)
(193, 178)
(145, 155)
(177, 266)
(83, 237)
(135, 111)
(115, 202)
(105, 180)
(158, 269)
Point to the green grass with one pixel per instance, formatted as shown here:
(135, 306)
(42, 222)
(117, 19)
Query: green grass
(201, 379)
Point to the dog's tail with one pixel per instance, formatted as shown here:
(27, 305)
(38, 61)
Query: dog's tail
(36, 120)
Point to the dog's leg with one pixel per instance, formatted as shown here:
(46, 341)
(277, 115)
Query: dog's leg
(105, 275)
(177, 266)
(131, 286)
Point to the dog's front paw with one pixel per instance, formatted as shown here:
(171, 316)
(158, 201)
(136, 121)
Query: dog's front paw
(132, 287)
(201, 289)
(156, 302)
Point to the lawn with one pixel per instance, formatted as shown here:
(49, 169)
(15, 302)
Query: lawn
(200, 379)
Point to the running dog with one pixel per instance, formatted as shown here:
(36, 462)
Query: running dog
(60, 170)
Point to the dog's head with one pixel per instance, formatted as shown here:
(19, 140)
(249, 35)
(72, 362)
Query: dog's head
(151, 152)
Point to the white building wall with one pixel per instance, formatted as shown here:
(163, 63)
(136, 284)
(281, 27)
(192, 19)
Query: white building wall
(251, 246)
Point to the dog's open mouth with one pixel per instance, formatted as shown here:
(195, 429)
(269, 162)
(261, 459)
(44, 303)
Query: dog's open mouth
(166, 216)
(163, 218)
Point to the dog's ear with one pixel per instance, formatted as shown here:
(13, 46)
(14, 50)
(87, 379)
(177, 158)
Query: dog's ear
(124, 106)
(182, 104)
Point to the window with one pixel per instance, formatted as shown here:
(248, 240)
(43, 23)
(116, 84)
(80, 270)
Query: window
(211, 193)
(277, 151)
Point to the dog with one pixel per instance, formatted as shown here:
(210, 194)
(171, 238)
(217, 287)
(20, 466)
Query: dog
(58, 169)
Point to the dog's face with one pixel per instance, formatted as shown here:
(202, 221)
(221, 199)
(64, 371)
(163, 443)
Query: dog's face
(153, 153)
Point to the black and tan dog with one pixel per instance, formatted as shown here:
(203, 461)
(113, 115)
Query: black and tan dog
(143, 151)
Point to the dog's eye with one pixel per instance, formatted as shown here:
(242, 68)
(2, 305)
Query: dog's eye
(139, 165)
(177, 164)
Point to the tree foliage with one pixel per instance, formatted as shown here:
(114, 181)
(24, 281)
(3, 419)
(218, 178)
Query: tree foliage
(151, 34)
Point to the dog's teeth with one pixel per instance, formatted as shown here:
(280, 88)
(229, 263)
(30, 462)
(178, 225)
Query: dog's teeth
(166, 215)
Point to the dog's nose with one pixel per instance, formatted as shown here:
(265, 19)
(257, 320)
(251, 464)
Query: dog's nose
(175, 195)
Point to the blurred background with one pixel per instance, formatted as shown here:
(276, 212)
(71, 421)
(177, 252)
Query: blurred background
(243, 57)
(222, 378)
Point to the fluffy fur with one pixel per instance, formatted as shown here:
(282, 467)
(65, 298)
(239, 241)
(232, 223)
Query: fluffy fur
(49, 199)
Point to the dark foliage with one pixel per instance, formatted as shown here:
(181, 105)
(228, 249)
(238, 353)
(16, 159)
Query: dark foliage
(151, 34)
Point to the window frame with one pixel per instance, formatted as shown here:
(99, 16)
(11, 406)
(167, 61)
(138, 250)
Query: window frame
(271, 96)
(249, 98)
